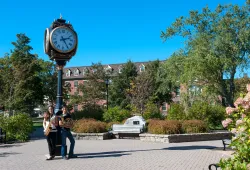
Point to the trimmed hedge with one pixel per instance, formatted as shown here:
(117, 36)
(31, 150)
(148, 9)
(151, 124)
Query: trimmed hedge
(164, 126)
(194, 126)
(89, 126)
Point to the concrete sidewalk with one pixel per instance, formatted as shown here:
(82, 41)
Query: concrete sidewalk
(120, 154)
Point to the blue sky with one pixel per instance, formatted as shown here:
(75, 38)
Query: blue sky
(109, 31)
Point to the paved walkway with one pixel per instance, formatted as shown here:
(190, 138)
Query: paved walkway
(117, 154)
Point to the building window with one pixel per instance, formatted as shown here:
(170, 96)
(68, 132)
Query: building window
(195, 90)
(177, 91)
(85, 71)
(108, 69)
(68, 73)
(142, 68)
(76, 72)
(67, 84)
(75, 108)
(164, 107)
(75, 83)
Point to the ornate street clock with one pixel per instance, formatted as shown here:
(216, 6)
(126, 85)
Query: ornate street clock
(60, 40)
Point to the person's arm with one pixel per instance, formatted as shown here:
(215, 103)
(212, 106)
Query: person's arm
(44, 124)
(60, 122)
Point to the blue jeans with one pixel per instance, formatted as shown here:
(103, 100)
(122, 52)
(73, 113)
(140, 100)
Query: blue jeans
(67, 134)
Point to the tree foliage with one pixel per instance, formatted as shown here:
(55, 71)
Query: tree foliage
(217, 44)
(25, 80)
(48, 75)
(20, 76)
(120, 84)
(94, 89)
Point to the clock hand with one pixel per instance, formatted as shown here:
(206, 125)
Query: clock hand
(63, 39)
(68, 37)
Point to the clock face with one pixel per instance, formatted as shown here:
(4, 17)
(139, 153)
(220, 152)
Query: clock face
(46, 41)
(63, 39)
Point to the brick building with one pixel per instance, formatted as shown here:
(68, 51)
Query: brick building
(76, 75)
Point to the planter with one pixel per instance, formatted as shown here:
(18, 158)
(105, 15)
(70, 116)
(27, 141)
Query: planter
(176, 138)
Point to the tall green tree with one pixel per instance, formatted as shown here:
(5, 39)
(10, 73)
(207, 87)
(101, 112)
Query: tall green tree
(169, 75)
(27, 84)
(92, 91)
(48, 76)
(6, 82)
(217, 44)
(121, 84)
(145, 88)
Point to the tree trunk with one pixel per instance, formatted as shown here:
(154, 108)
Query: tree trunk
(223, 90)
(231, 87)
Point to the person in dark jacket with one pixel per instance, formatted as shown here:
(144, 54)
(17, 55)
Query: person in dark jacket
(66, 124)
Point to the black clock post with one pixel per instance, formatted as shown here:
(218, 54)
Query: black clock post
(60, 44)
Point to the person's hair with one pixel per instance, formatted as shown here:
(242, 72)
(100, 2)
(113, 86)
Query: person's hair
(46, 115)
(52, 109)
(64, 106)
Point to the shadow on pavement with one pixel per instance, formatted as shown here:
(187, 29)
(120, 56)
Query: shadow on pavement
(189, 147)
(100, 155)
(128, 152)
(9, 145)
(5, 154)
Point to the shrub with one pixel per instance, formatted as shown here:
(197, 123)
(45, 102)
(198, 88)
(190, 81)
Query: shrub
(176, 112)
(164, 126)
(17, 127)
(89, 126)
(198, 111)
(211, 114)
(152, 111)
(194, 126)
(89, 112)
(216, 113)
(116, 114)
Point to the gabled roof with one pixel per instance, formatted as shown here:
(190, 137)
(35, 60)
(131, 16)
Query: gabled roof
(115, 69)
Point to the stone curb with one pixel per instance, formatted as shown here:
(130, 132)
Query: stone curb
(176, 138)
(92, 136)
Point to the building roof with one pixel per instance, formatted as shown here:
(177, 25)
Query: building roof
(115, 70)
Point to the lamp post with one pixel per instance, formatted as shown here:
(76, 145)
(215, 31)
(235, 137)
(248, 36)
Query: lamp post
(107, 90)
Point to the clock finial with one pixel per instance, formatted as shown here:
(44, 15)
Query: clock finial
(61, 20)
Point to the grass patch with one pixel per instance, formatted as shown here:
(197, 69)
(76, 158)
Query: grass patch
(37, 124)
(37, 119)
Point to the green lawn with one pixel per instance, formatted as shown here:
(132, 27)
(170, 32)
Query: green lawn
(37, 124)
